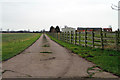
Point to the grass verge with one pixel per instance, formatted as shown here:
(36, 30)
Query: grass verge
(14, 43)
(107, 60)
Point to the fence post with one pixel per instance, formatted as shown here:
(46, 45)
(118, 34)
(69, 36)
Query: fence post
(71, 37)
(101, 35)
(118, 36)
(105, 36)
(79, 37)
(85, 37)
(68, 37)
(75, 37)
(93, 38)
(60, 36)
(63, 36)
(116, 39)
(54, 35)
(57, 36)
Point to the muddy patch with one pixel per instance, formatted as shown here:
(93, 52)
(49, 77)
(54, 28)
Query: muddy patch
(46, 52)
(46, 45)
(52, 58)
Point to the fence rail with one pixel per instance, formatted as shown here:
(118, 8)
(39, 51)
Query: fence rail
(104, 40)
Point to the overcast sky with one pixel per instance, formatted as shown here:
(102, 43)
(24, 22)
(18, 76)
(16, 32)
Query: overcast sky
(41, 14)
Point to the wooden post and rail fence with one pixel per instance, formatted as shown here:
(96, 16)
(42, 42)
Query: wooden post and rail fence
(96, 39)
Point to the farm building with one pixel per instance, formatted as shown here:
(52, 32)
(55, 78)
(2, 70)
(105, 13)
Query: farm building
(80, 29)
(109, 29)
(68, 29)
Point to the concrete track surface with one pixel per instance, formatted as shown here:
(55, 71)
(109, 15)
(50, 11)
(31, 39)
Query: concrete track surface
(47, 59)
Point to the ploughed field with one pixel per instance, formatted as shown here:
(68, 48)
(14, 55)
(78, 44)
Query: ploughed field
(14, 43)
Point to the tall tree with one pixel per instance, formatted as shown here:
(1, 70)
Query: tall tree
(57, 29)
(51, 29)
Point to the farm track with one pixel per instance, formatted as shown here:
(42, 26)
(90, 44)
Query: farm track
(47, 59)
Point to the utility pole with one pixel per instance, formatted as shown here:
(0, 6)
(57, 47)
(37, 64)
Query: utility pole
(117, 8)
(119, 15)
(1, 30)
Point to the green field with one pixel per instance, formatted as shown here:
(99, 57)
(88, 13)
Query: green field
(14, 43)
(108, 60)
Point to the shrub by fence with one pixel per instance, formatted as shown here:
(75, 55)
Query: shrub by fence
(96, 39)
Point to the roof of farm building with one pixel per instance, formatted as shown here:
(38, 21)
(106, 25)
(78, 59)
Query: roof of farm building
(88, 28)
(68, 27)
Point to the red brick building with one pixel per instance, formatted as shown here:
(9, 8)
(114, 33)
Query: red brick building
(107, 29)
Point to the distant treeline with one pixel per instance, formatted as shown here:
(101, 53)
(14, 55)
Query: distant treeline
(22, 31)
